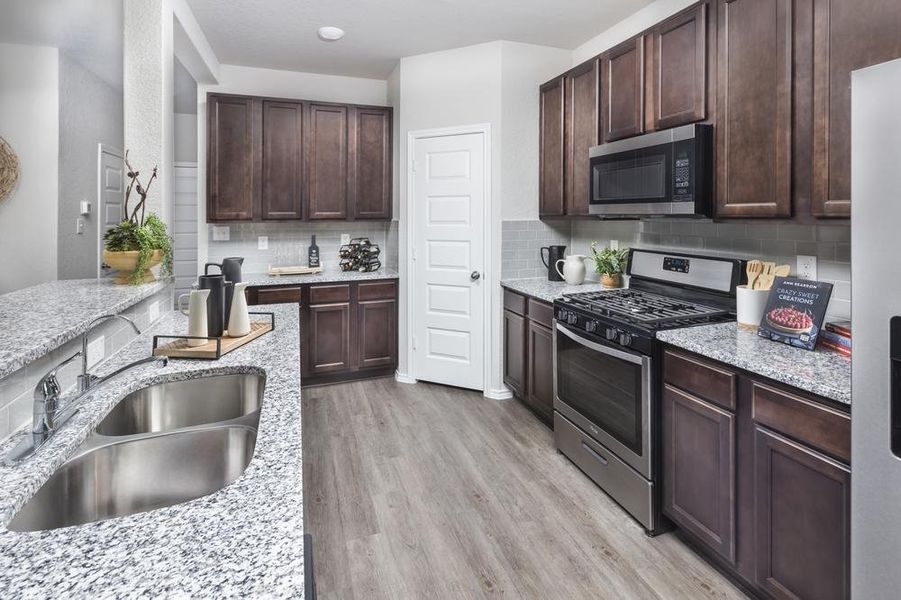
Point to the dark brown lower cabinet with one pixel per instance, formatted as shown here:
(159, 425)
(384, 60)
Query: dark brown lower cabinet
(756, 475)
(803, 504)
(347, 330)
(540, 389)
(699, 469)
(529, 353)
(515, 352)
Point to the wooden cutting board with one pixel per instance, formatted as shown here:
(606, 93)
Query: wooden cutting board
(276, 271)
(179, 348)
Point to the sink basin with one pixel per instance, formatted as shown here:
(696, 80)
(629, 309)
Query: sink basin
(113, 478)
(179, 404)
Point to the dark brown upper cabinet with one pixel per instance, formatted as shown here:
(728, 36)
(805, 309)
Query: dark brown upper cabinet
(369, 181)
(232, 162)
(754, 108)
(276, 159)
(326, 149)
(551, 148)
(622, 76)
(847, 36)
(582, 131)
(677, 53)
(282, 160)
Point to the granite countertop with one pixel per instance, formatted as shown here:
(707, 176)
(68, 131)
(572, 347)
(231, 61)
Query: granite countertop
(245, 540)
(821, 372)
(41, 318)
(542, 289)
(327, 276)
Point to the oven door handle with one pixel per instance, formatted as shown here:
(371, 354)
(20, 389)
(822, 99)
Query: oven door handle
(614, 352)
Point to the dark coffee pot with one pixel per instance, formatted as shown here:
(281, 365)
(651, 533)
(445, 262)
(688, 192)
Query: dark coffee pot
(230, 267)
(554, 253)
(215, 303)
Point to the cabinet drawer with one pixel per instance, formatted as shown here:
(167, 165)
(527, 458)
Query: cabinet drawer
(323, 294)
(541, 312)
(514, 302)
(816, 425)
(378, 290)
(290, 295)
(701, 379)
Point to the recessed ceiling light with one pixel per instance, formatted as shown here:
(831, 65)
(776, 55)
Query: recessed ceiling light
(330, 34)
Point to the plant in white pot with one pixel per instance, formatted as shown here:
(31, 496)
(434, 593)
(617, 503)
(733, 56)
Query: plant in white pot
(139, 242)
(610, 263)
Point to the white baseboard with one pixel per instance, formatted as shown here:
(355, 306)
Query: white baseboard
(501, 394)
(403, 378)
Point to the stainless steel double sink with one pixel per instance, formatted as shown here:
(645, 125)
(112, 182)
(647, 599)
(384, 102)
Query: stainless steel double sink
(161, 445)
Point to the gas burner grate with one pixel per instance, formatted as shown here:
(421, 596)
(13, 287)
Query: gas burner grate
(642, 307)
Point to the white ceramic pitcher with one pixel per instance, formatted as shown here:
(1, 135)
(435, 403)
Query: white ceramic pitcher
(197, 323)
(573, 269)
(238, 318)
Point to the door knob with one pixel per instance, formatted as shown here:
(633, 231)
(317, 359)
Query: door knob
(475, 275)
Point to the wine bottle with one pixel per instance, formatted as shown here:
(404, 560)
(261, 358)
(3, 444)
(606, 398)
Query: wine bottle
(313, 253)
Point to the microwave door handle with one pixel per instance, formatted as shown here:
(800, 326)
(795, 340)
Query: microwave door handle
(614, 352)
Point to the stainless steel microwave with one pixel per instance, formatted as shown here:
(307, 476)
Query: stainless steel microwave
(664, 173)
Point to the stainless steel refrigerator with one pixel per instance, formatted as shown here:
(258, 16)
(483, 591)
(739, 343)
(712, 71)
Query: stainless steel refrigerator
(875, 301)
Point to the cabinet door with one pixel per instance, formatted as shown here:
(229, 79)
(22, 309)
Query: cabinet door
(623, 93)
(699, 469)
(282, 160)
(328, 341)
(233, 166)
(802, 507)
(540, 371)
(369, 183)
(754, 109)
(377, 333)
(680, 69)
(326, 148)
(582, 126)
(551, 149)
(515, 349)
(847, 36)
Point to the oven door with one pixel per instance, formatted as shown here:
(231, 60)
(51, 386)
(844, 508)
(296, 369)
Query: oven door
(605, 391)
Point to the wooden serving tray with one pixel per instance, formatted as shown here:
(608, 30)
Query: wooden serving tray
(276, 271)
(214, 348)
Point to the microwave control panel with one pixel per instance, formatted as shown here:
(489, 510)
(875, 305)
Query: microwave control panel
(681, 176)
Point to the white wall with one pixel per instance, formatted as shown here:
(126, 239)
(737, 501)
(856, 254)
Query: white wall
(185, 137)
(29, 122)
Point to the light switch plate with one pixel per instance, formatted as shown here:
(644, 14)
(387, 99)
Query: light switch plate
(221, 233)
(806, 267)
(96, 350)
(79, 226)
(345, 239)
(263, 242)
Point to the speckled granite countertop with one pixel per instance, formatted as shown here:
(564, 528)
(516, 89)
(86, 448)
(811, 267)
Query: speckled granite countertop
(245, 540)
(328, 276)
(542, 289)
(41, 318)
(821, 372)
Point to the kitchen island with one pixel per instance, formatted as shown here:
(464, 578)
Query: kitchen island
(245, 540)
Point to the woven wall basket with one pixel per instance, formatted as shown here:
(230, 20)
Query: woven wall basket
(9, 169)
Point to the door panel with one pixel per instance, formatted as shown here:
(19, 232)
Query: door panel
(111, 175)
(551, 149)
(540, 371)
(370, 162)
(234, 167)
(680, 63)
(623, 80)
(326, 148)
(754, 111)
(377, 333)
(847, 36)
(448, 246)
(329, 338)
(583, 94)
(282, 160)
(515, 353)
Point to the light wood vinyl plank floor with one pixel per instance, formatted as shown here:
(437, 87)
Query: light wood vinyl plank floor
(425, 491)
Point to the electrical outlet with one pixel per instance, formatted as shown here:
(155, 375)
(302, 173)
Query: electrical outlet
(345, 239)
(79, 226)
(221, 233)
(614, 244)
(96, 350)
(263, 242)
(807, 267)
(153, 311)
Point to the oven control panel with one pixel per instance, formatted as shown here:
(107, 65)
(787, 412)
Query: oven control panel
(601, 331)
(676, 264)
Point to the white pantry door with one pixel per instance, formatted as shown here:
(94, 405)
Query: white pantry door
(110, 195)
(449, 258)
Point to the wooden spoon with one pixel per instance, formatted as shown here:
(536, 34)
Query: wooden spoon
(764, 281)
(754, 268)
(782, 271)
(768, 268)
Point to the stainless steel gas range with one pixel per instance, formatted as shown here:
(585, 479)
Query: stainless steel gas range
(607, 362)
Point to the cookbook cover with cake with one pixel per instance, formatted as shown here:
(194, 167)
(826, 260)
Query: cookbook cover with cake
(795, 311)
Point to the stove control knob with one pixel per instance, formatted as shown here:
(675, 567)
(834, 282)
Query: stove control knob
(611, 333)
(561, 315)
(572, 319)
(591, 326)
(625, 339)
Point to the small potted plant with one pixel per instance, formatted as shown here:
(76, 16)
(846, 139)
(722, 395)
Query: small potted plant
(610, 263)
(139, 242)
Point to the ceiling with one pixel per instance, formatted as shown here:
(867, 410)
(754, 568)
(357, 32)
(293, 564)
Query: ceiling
(281, 34)
(89, 31)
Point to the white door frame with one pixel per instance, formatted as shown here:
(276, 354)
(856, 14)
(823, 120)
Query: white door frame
(487, 272)
(101, 150)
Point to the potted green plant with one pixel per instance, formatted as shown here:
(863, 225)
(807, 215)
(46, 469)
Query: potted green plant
(139, 242)
(610, 263)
